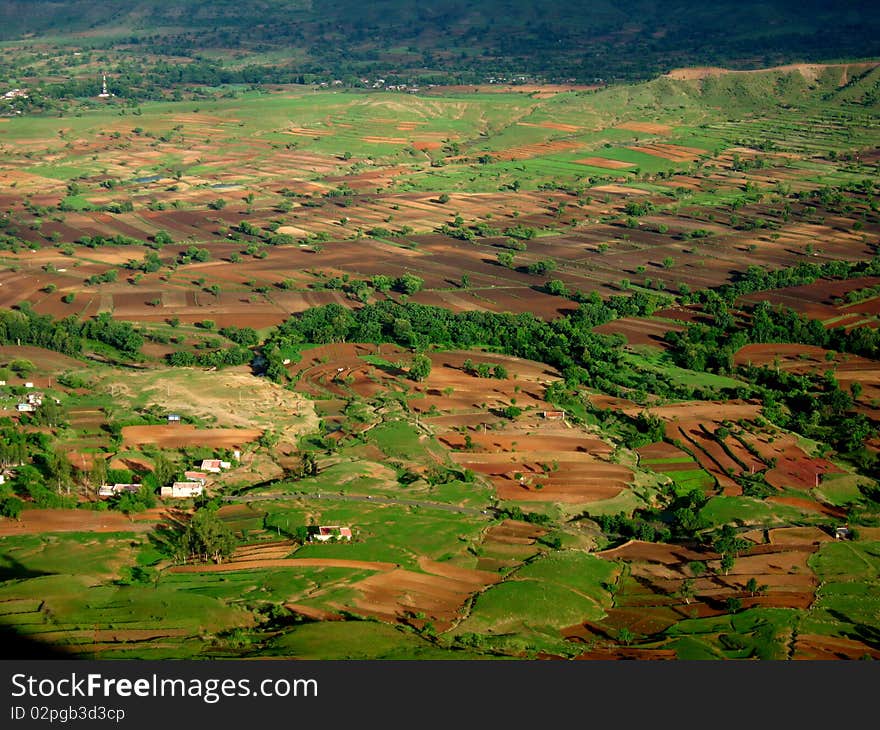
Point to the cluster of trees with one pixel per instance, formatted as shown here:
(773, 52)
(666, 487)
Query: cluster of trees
(203, 537)
(485, 369)
(230, 356)
(711, 347)
(26, 327)
(757, 279)
(811, 404)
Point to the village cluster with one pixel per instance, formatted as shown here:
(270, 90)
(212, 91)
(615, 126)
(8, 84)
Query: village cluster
(193, 486)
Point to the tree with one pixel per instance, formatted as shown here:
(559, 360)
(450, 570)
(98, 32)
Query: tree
(505, 258)
(59, 469)
(727, 561)
(420, 368)
(409, 283)
(308, 464)
(11, 507)
(382, 283)
(729, 546)
(733, 604)
(98, 472)
(686, 590)
(163, 238)
(163, 469)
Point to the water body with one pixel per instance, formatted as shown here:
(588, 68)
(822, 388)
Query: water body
(149, 179)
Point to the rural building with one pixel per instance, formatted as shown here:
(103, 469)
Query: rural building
(28, 385)
(183, 490)
(323, 533)
(214, 465)
(15, 94)
(841, 533)
(26, 407)
(111, 490)
(196, 476)
(2, 479)
(554, 415)
(173, 418)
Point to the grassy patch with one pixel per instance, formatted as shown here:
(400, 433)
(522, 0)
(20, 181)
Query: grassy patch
(748, 510)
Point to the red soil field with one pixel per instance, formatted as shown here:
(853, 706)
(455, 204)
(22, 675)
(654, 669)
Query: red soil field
(672, 152)
(816, 300)
(798, 536)
(639, 330)
(172, 437)
(647, 127)
(794, 467)
(399, 594)
(815, 647)
(811, 506)
(45, 361)
(495, 442)
(38, 521)
(654, 552)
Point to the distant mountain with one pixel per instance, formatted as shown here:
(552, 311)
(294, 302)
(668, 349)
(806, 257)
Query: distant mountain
(555, 39)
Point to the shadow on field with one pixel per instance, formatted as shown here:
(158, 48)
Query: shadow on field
(11, 569)
(14, 645)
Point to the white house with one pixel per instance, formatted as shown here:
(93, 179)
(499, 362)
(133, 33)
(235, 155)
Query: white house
(183, 490)
(111, 490)
(323, 533)
(26, 407)
(214, 466)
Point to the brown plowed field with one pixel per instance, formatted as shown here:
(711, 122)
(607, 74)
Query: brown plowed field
(38, 521)
(45, 361)
(672, 152)
(576, 480)
(798, 536)
(815, 647)
(647, 127)
(652, 552)
(640, 330)
(174, 437)
(806, 504)
(794, 467)
(399, 594)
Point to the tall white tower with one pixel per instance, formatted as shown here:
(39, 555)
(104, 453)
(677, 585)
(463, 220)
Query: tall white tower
(104, 93)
